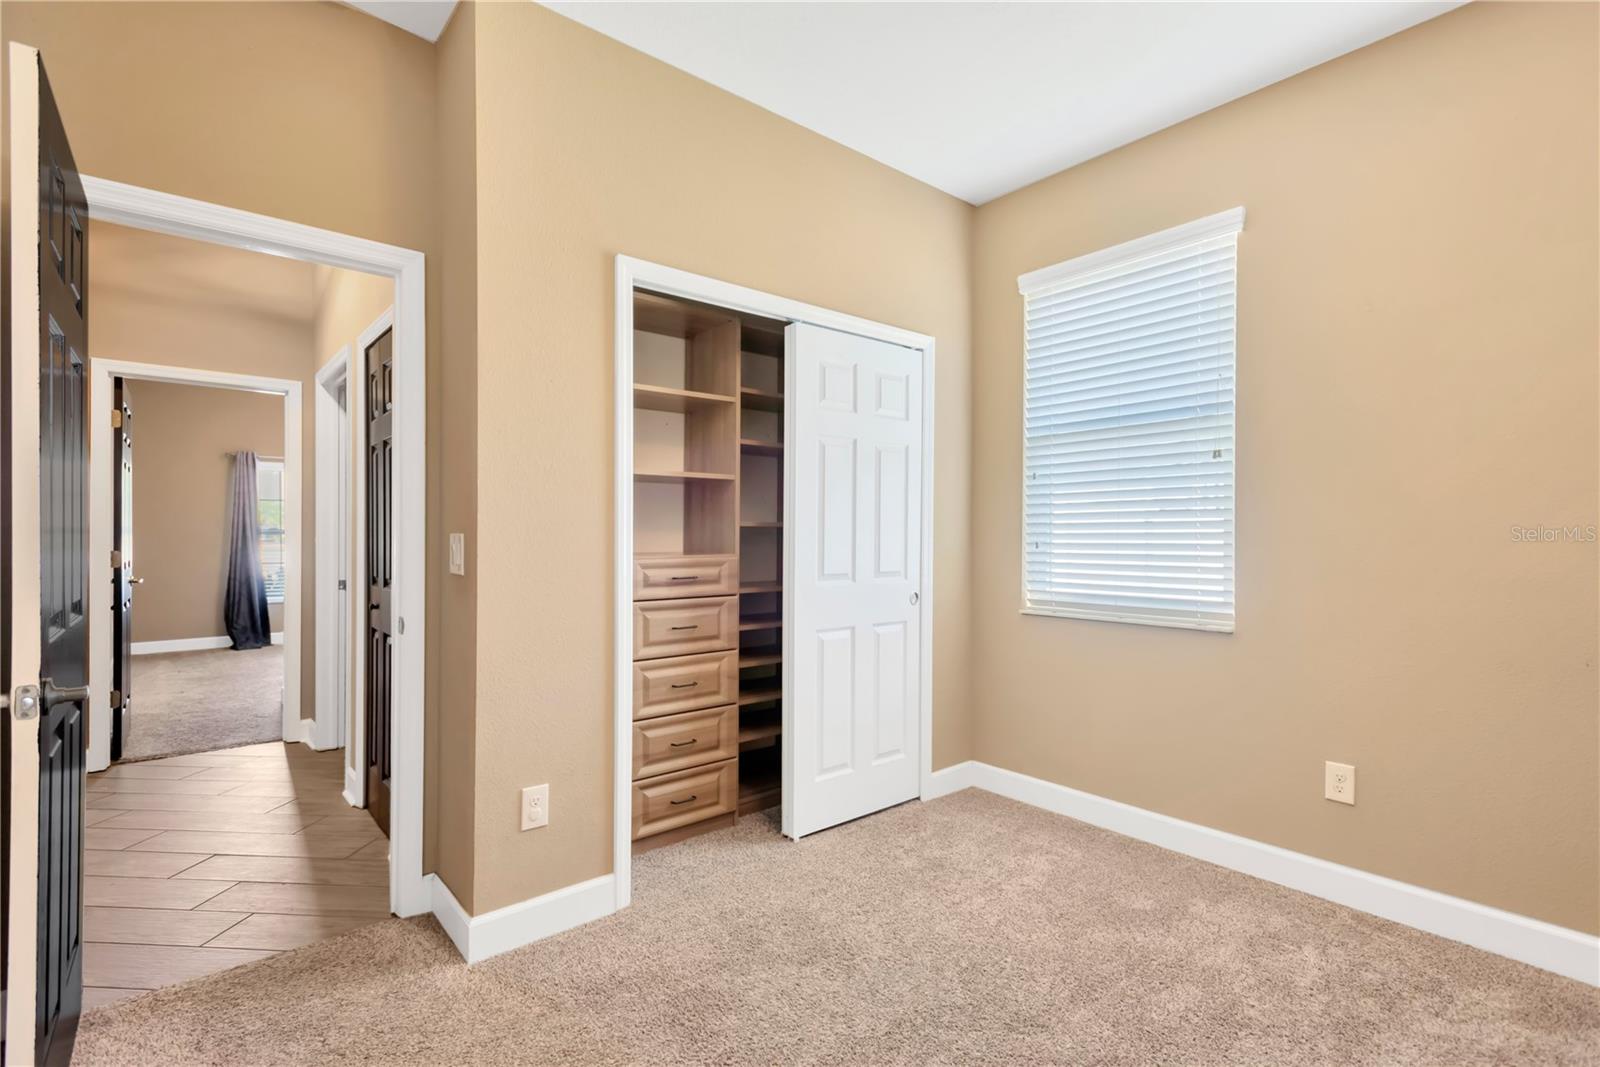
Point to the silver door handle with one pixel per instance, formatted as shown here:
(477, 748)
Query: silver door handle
(50, 695)
(915, 597)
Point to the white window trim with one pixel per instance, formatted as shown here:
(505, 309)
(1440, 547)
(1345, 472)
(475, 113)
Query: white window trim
(1038, 282)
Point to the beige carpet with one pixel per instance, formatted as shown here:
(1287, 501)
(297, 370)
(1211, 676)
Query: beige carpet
(967, 930)
(185, 702)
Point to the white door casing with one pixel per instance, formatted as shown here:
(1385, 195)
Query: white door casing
(852, 631)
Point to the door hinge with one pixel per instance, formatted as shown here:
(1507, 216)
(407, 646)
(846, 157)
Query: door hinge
(116, 699)
(116, 559)
(116, 419)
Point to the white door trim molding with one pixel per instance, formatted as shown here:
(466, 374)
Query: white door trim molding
(332, 446)
(101, 520)
(632, 273)
(146, 209)
(1553, 948)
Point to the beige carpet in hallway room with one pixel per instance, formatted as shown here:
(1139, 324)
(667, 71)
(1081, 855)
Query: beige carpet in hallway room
(970, 929)
(188, 702)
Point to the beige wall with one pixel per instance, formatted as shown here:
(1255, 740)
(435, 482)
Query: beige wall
(182, 476)
(587, 149)
(1417, 348)
(452, 742)
(312, 112)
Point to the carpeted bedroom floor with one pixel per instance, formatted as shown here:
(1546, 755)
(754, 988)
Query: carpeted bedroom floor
(186, 702)
(970, 929)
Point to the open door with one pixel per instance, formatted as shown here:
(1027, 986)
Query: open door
(46, 557)
(122, 579)
(852, 713)
(379, 691)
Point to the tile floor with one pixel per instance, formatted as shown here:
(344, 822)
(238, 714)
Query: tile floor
(199, 863)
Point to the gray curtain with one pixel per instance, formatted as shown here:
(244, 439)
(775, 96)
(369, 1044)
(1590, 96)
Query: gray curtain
(244, 598)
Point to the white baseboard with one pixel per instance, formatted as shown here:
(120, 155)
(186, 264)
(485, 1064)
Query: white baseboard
(1541, 944)
(352, 785)
(189, 644)
(478, 937)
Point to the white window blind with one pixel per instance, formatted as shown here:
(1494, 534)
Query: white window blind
(269, 516)
(1128, 431)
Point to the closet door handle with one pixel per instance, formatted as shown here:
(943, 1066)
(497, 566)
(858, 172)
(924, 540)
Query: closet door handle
(691, 797)
(683, 744)
(694, 627)
(684, 685)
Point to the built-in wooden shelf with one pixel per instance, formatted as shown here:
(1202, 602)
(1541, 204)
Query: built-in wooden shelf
(761, 622)
(758, 792)
(761, 731)
(664, 398)
(761, 587)
(760, 696)
(761, 526)
(680, 476)
(760, 657)
(761, 399)
(760, 448)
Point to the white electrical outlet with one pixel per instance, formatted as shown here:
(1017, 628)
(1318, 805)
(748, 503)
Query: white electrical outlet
(535, 807)
(1339, 782)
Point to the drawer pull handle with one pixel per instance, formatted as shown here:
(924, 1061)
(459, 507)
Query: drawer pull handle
(696, 626)
(681, 744)
(684, 685)
(683, 577)
(687, 799)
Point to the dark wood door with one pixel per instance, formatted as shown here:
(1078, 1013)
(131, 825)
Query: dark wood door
(122, 579)
(63, 668)
(380, 572)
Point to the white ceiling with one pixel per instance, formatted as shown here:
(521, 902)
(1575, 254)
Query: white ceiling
(425, 18)
(979, 99)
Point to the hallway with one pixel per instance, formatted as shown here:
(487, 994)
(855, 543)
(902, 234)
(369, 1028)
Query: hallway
(198, 863)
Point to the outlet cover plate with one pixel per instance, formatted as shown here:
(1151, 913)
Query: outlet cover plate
(1339, 782)
(535, 807)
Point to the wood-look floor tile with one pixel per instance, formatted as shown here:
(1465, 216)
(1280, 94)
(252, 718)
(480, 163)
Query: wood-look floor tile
(102, 837)
(138, 864)
(264, 748)
(281, 932)
(158, 926)
(213, 759)
(154, 966)
(308, 804)
(378, 850)
(360, 824)
(141, 770)
(100, 996)
(94, 816)
(231, 821)
(279, 899)
(288, 869)
(103, 891)
(250, 771)
(162, 785)
(182, 802)
(321, 846)
(286, 790)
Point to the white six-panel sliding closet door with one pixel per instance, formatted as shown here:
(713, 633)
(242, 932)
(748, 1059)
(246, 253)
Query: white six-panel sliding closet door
(852, 629)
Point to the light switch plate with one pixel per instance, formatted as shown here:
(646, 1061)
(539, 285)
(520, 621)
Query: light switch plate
(458, 553)
(1339, 782)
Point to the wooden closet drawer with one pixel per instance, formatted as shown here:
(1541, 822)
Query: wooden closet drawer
(674, 800)
(666, 577)
(675, 742)
(678, 627)
(683, 683)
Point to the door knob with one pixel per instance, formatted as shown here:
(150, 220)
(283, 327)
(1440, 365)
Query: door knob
(50, 695)
(135, 581)
(915, 597)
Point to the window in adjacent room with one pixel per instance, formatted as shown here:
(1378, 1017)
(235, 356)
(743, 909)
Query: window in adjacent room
(1128, 422)
(269, 515)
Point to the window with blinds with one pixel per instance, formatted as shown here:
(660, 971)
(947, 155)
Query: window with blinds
(1128, 431)
(269, 518)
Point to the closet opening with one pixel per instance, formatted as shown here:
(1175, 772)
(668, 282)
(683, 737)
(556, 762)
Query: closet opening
(773, 596)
